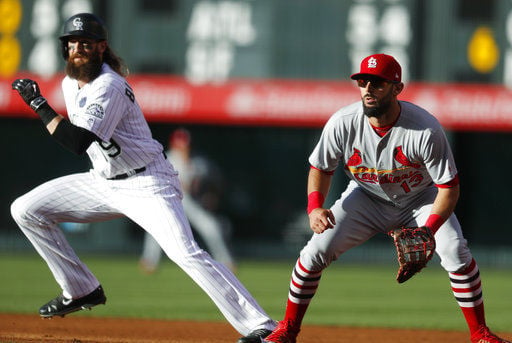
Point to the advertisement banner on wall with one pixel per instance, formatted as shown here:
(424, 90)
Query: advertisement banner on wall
(289, 103)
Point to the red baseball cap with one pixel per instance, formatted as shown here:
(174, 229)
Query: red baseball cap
(380, 65)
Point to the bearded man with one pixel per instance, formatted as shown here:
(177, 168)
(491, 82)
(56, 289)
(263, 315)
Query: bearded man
(130, 177)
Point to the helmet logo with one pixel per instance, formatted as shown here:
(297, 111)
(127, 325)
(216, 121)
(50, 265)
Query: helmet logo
(372, 62)
(78, 24)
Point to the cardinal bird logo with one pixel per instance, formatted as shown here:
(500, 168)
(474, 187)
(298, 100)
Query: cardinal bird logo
(402, 159)
(355, 159)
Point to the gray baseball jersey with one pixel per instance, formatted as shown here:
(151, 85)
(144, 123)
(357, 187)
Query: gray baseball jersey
(412, 156)
(392, 182)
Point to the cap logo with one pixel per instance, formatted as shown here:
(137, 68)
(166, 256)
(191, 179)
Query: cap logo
(372, 62)
(78, 24)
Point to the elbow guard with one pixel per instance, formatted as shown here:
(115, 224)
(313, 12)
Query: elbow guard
(72, 137)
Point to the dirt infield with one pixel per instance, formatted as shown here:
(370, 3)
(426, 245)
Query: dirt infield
(32, 329)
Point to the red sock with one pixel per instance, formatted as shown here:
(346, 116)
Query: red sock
(475, 317)
(303, 286)
(295, 312)
(467, 289)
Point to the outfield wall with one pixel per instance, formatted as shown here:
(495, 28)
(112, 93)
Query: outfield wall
(263, 196)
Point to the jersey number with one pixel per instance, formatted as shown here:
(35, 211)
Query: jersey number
(413, 182)
(129, 93)
(112, 149)
(405, 187)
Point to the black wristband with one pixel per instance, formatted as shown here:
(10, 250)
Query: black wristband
(45, 111)
(37, 102)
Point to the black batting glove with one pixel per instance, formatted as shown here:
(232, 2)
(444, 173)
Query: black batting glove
(29, 92)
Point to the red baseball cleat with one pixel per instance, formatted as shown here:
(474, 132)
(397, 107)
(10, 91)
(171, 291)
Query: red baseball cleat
(285, 332)
(484, 335)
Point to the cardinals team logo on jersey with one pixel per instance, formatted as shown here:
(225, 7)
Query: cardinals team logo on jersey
(355, 159)
(401, 174)
(402, 159)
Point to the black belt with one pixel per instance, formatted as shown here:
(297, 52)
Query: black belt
(131, 172)
(127, 174)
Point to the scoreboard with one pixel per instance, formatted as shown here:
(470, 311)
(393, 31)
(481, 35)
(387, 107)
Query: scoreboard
(210, 41)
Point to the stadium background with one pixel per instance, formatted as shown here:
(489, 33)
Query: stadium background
(254, 81)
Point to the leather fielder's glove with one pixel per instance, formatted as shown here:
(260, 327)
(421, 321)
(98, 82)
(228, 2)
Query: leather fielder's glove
(415, 246)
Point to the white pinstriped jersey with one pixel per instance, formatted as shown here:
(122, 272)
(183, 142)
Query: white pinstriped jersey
(152, 199)
(411, 157)
(107, 107)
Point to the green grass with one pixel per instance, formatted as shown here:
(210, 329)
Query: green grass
(349, 295)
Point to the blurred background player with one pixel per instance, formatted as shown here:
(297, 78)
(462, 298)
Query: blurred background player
(201, 182)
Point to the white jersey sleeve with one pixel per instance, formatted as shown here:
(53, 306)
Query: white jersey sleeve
(107, 107)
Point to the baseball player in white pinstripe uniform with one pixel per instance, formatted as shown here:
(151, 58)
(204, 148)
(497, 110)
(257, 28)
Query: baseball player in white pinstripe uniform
(402, 173)
(129, 177)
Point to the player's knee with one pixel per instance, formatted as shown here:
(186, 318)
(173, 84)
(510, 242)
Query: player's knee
(20, 211)
(315, 262)
(454, 257)
(16, 211)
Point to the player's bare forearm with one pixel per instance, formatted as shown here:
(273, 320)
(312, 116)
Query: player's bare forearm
(445, 201)
(51, 126)
(320, 219)
(319, 181)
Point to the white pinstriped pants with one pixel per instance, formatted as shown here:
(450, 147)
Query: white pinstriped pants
(152, 199)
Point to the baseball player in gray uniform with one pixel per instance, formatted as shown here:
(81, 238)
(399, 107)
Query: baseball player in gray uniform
(130, 176)
(402, 173)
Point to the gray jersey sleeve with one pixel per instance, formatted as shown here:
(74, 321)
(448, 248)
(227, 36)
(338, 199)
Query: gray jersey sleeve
(326, 155)
(329, 150)
(439, 159)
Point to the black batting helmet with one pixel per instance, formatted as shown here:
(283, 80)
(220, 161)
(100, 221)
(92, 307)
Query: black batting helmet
(82, 25)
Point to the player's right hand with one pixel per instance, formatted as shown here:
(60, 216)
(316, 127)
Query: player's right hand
(27, 88)
(321, 219)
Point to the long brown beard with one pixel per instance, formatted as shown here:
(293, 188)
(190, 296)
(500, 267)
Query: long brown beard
(87, 71)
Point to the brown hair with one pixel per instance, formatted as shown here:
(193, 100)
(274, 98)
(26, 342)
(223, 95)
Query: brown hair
(115, 62)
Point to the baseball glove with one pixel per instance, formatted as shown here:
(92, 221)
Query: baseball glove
(415, 246)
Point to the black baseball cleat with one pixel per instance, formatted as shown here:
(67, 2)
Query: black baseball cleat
(61, 306)
(256, 336)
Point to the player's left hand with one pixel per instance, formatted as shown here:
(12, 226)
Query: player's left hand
(27, 88)
(321, 219)
(415, 246)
